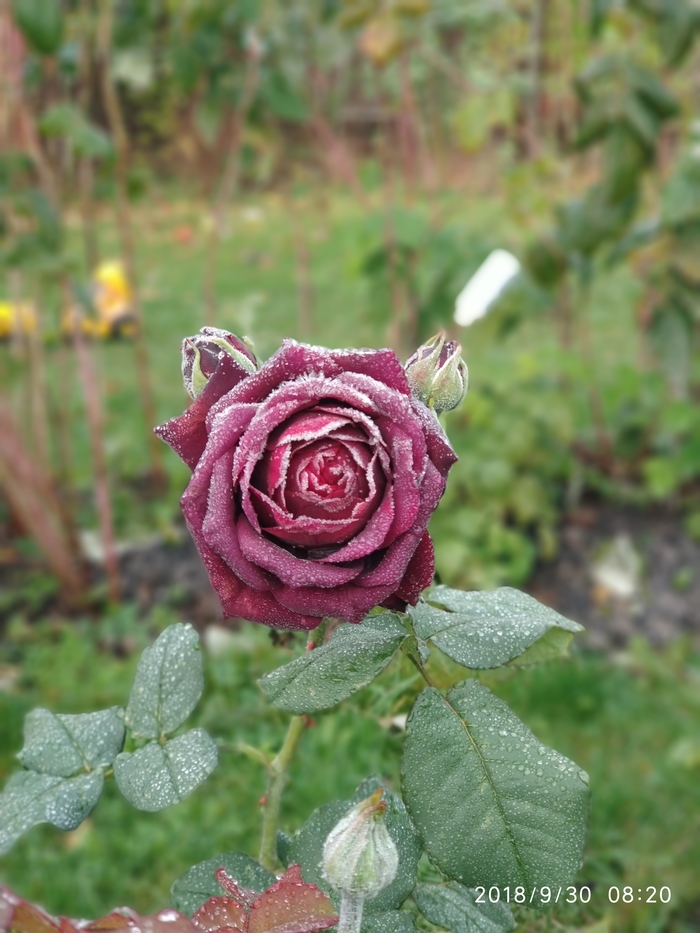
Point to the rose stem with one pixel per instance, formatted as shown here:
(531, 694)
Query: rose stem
(350, 913)
(277, 778)
(277, 773)
(413, 656)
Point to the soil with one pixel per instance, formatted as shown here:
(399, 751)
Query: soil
(664, 604)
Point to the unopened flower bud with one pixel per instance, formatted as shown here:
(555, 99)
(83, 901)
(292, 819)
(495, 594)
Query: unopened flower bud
(359, 855)
(437, 374)
(201, 354)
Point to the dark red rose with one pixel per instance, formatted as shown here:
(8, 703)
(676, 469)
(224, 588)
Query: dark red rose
(314, 481)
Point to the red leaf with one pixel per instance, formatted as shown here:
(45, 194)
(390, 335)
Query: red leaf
(66, 925)
(28, 918)
(167, 921)
(22, 917)
(245, 896)
(220, 912)
(116, 920)
(291, 906)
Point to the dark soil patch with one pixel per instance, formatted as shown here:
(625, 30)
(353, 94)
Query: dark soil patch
(172, 575)
(666, 603)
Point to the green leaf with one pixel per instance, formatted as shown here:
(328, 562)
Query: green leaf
(675, 33)
(637, 238)
(157, 776)
(552, 646)
(68, 122)
(306, 847)
(41, 24)
(494, 806)
(199, 883)
(64, 745)
(598, 11)
(484, 630)
(546, 261)
(387, 921)
(168, 684)
(283, 843)
(654, 92)
(30, 798)
(453, 907)
(642, 120)
(351, 659)
(670, 335)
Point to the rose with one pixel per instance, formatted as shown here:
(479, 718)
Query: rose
(314, 479)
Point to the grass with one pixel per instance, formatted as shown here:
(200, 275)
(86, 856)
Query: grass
(632, 722)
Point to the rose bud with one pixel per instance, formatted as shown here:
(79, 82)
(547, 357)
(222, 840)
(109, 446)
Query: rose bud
(201, 355)
(438, 375)
(313, 482)
(359, 855)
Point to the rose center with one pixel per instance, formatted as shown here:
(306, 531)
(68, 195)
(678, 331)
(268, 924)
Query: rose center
(326, 474)
(318, 491)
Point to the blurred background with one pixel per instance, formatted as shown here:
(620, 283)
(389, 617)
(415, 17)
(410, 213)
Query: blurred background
(338, 171)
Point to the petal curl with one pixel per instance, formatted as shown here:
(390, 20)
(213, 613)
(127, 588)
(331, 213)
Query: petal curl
(187, 434)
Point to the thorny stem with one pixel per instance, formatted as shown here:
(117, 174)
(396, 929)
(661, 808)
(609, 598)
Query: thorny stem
(273, 795)
(350, 913)
(277, 774)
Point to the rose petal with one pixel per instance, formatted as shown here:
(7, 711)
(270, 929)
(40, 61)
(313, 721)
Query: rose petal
(349, 602)
(419, 573)
(382, 365)
(187, 434)
(289, 365)
(219, 528)
(291, 570)
(373, 536)
(439, 448)
(392, 567)
(308, 532)
(237, 599)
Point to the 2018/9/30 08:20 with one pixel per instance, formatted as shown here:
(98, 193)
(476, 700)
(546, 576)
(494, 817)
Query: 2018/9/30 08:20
(572, 894)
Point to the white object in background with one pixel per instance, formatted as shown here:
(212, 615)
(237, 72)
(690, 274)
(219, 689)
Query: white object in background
(487, 283)
(618, 570)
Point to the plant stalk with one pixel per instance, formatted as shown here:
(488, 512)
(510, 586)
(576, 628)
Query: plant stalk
(120, 140)
(228, 182)
(273, 795)
(95, 413)
(350, 913)
(595, 397)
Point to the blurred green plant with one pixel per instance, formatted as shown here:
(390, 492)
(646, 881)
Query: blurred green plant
(430, 260)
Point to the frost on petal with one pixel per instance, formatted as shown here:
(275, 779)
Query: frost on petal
(187, 435)
(419, 573)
